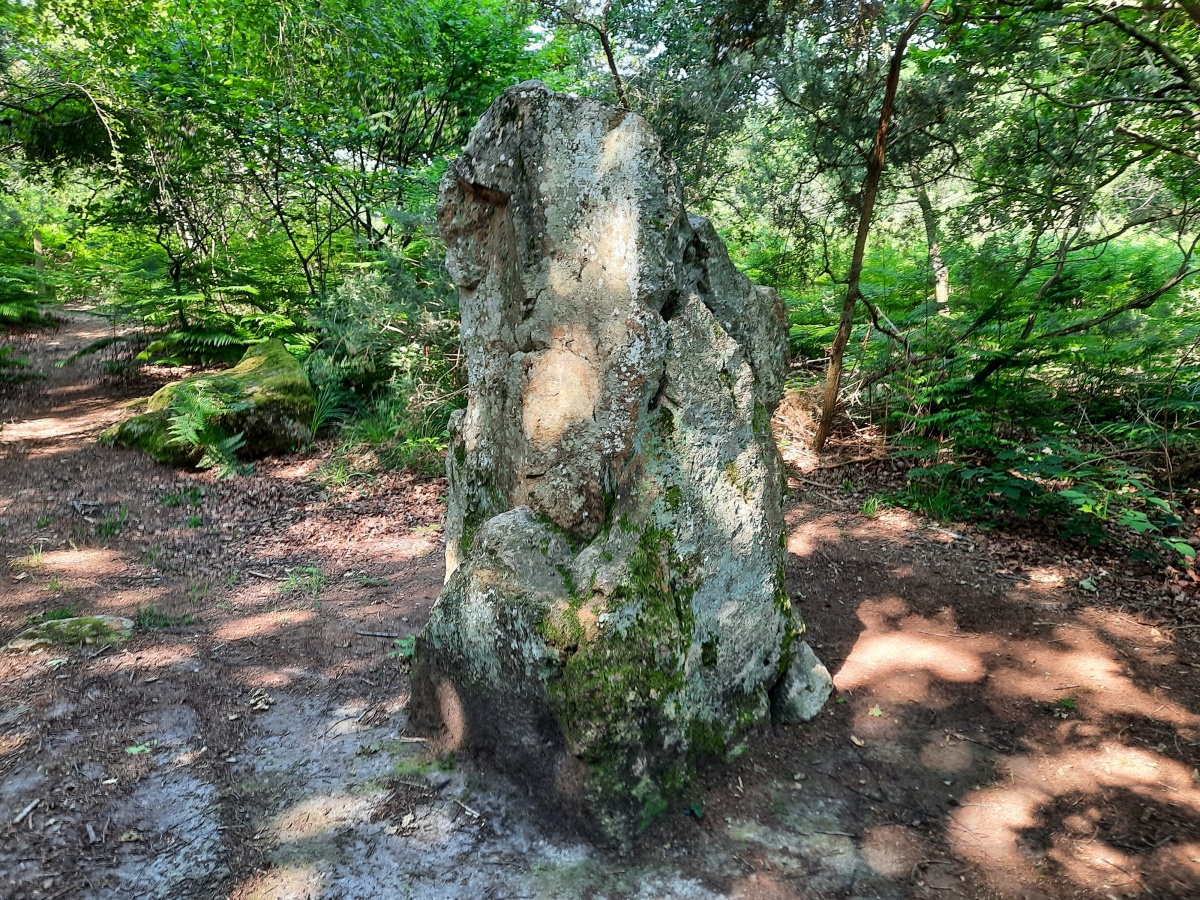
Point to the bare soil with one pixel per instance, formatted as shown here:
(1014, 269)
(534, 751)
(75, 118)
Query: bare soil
(997, 731)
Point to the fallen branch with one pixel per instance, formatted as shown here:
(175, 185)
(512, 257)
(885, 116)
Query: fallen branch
(379, 634)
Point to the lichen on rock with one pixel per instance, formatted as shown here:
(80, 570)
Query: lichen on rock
(614, 608)
(267, 399)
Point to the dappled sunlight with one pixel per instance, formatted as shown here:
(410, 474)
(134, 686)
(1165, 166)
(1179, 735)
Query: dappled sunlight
(761, 886)
(270, 676)
(893, 849)
(254, 592)
(377, 548)
(806, 542)
(947, 754)
(891, 524)
(263, 624)
(1088, 670)
(82, 418)
(157, 656)
(288, 882)
(998, 827)
(296, 470)
(89, 562)
(314, 816)
(360, 666)
(13, 741)
(902, 664)
(1045, 578)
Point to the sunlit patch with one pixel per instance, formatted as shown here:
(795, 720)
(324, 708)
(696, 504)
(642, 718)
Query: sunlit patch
(85, 418)
(1098, 864)
(361, 549)
(1085, 669)
(454, 717)
(882, 660)
(188, 757)
(892, 849)
(263, 624)
(762, 886)
(1046, 577)
(265, 677)
(990, 828)
(292, 882)
(11, 742)
(882, 613)
(158, 656)
(84, 563)
(121, 601)
(562, 389)
(359, 666)
(806, 542)
(317, 815)
(297, 470)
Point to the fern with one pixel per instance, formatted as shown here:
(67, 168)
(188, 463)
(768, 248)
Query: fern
(13, 368)
(196, 411)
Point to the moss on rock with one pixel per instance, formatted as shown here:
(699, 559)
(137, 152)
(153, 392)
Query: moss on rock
(72, 632)
(267, 398)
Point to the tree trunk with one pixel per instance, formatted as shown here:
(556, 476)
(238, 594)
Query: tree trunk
(39, 262)
(833, 374)
(941, 275)
(1192, 8)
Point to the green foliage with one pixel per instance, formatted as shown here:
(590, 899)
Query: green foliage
(192, 496)
(23, 289)
(112, 523)
(403, 648)
(1089, 494)
(330, 408)
(12, 368)
(306, 580)
(389, 341)
(193, 425)
(52, 615)
(148, 617)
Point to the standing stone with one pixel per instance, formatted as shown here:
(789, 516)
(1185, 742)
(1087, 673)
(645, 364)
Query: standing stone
(614, 607)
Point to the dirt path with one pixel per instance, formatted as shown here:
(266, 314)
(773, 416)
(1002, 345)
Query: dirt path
(996, 733)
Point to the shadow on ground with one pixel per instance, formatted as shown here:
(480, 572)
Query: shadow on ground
(995, 732)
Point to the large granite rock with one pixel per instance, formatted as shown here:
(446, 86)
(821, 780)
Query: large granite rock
(615, 606)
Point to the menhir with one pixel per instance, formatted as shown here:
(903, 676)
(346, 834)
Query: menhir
(614, 609)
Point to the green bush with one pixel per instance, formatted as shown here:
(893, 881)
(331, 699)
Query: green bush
(389, 353)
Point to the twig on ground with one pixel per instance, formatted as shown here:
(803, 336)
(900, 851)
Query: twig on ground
(847, 462)
(26, 811)
(470, 812)
(379, 634)
(831, 833)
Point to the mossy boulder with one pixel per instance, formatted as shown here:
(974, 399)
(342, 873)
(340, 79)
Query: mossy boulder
(266, 398)
(615, 609)
(72, 632)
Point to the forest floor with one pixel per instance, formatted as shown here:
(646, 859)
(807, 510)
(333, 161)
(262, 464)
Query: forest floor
(997, 731)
